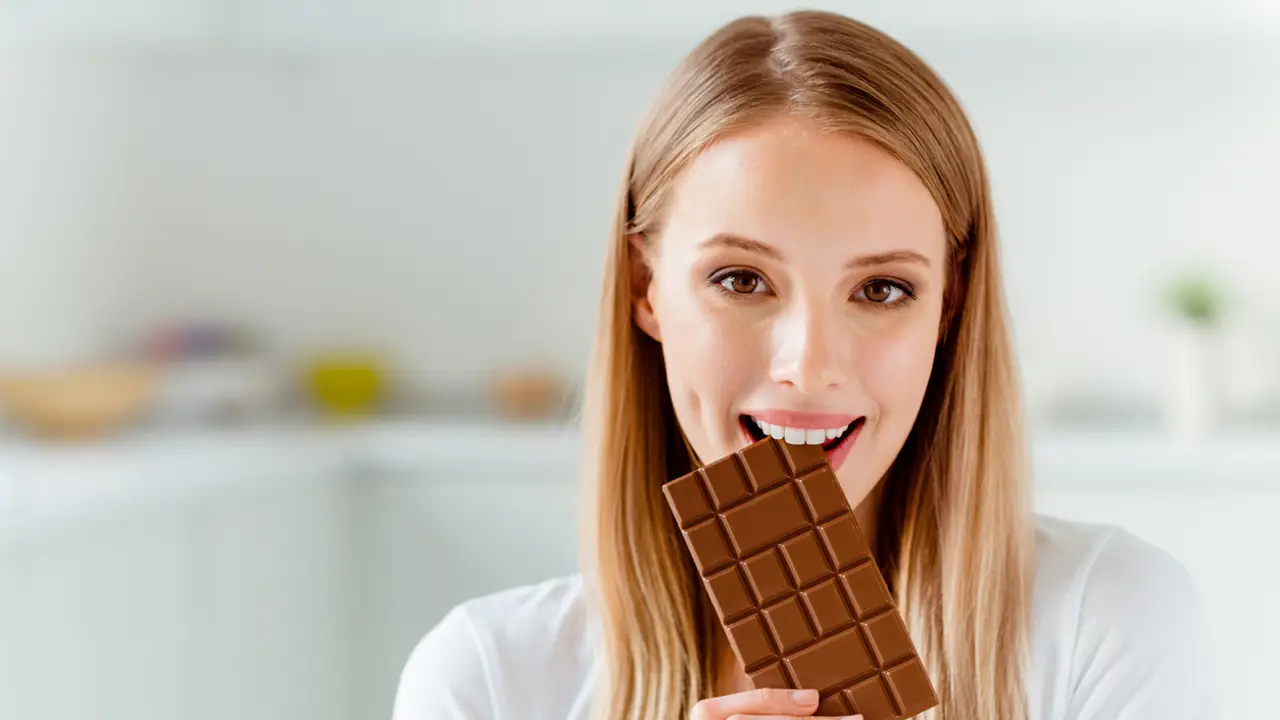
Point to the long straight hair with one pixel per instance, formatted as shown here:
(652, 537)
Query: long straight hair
(955, 536)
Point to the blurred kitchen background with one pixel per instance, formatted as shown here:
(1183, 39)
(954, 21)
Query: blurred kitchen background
(296, 297)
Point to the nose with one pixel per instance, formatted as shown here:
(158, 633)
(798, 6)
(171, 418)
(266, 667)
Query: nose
(812, 350)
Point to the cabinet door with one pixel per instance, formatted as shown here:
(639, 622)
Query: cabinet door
(93, 621)
(432, 540)
(270, 613)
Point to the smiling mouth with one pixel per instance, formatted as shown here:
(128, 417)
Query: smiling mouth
(798, 436)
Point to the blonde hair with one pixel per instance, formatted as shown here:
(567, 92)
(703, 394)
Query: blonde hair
(955, 536)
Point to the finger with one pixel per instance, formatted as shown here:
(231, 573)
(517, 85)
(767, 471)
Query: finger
(761, 701)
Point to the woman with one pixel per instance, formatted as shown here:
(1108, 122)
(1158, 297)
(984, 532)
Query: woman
(805, 247)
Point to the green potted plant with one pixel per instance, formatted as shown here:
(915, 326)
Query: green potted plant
(1195, 300)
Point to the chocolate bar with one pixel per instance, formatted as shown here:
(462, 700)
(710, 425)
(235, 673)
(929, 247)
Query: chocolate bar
(794, 583)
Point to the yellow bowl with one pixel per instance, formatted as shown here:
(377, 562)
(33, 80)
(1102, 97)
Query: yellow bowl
(347, 386)
(78, 403)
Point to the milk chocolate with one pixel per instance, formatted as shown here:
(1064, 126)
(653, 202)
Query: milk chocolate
(794, 583)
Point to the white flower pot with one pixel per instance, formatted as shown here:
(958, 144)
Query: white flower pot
(1191, 398)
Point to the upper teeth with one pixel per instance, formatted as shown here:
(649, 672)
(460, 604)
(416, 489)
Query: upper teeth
(799, 436)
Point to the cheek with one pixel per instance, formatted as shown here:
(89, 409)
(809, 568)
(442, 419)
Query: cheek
(711, 357)
(896, 373)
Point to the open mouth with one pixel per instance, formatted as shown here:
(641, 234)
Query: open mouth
(829, 438)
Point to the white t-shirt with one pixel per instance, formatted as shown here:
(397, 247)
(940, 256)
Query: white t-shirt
(1118, 633)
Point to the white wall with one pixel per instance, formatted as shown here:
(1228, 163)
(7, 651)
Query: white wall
(453, 205)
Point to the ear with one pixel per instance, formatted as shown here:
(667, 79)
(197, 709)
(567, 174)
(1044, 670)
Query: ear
(641, 283)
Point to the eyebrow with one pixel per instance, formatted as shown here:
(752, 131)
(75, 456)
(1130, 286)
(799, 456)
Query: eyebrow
(739, 242)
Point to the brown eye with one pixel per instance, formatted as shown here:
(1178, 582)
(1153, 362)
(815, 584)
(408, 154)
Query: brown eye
(885, 293)
(744, 283)
(878, 291)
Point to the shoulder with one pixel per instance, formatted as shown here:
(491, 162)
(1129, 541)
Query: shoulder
(1120, 627)
(476, 660)
(1109, 573)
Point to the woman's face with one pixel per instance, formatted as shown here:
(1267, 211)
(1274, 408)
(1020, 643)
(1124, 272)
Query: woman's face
(796, 288)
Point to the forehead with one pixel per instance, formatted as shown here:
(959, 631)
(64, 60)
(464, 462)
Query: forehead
(789, 182)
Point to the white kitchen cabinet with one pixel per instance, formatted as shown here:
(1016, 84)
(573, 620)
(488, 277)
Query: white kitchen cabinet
(94, 622)
(230, 599)
(436, 537)
(269, 604)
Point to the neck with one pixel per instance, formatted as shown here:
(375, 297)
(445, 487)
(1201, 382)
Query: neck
(729, 677)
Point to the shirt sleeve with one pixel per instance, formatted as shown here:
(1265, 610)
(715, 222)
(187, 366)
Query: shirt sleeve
(1142, 648)
(446, 675)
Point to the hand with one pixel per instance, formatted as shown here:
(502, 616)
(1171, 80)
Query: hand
(760, 704)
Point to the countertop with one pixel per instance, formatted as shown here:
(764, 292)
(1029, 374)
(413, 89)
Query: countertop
(47, 484)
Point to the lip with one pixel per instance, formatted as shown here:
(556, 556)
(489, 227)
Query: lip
(837, 456)
(806, 420)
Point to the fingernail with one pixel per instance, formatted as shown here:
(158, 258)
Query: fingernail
(805, 697)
